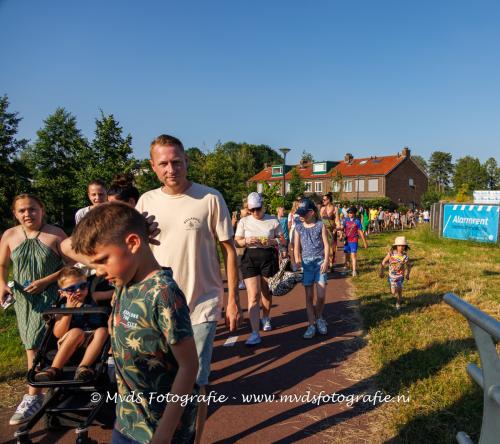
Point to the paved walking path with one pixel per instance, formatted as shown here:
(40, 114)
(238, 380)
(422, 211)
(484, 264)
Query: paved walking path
(284, 364)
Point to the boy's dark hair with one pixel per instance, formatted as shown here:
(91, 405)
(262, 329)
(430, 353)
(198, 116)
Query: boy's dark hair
(67, 272)
(109, 223)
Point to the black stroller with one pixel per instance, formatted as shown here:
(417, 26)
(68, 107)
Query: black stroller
(71, 403)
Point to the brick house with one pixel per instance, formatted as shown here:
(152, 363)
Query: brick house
(397, 177)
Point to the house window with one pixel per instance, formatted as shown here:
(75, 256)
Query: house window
(287, 187)
(319, 167)
(277, 170)
(260, 187)
(372, 184)
(411, 182)
(360, 185)
(348, 186)
(318, 187)
(336, 187)
(309, 186)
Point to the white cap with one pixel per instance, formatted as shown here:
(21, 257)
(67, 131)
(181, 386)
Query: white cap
(254, 201)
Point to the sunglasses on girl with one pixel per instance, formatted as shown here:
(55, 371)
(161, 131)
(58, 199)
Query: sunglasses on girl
(255, 209)
(74, 288)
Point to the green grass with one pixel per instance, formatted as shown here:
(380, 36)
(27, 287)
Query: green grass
(12, 354)
(423, 350)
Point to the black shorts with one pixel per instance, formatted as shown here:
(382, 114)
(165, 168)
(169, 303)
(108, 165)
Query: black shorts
(259, 262)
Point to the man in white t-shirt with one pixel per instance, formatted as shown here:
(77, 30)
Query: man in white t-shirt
(192, 218)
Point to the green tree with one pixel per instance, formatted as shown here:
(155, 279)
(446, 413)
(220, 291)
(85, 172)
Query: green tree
(337, 184)
(297, 186)
(492, 173)
(13, 171)
(109, 154)
(145, 177)
(272, 197)
(431, 196)
(196, 170)
(470, 172)
(53, 162)
(306, 157)
(440, 169)
(421, 162)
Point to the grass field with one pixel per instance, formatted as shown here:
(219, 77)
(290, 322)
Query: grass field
(423, 349)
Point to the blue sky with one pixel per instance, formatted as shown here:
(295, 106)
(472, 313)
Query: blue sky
(329, 77)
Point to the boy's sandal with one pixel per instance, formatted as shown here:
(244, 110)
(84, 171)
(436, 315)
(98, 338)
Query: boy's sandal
(84, 373)
(49, 374)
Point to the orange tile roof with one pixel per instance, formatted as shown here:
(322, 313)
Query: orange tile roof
(369, 166)
(366, 166)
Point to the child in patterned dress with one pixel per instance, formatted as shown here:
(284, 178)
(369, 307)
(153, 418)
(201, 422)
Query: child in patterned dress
(399, 266)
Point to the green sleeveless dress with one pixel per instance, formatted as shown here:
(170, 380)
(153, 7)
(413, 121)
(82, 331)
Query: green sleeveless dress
(33, 260)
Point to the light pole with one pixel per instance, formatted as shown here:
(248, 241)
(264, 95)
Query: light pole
(284, 151)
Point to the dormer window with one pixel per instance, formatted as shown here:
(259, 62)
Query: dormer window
(277, 170)
(319, 167)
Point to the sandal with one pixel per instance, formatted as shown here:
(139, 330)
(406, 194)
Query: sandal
(84, 374)
(49, 374)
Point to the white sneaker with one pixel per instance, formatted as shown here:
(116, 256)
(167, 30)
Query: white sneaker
(321, 326)
(253, 339)
(354, 273)
(266, 324)
(398, 306)
(310, 332)
(242, 286)
(26, 409)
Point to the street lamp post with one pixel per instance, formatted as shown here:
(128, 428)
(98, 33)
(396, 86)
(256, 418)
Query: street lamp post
(284, 151)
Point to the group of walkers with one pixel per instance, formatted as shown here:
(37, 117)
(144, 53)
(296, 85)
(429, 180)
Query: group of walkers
(164, 284)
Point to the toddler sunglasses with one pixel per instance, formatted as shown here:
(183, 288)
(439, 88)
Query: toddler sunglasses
(74, 288)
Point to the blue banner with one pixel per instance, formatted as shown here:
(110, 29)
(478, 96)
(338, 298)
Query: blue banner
(471, 222)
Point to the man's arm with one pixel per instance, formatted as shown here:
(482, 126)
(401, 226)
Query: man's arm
(233, 310)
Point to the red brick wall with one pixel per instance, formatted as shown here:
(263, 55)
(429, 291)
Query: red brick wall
(397, 183)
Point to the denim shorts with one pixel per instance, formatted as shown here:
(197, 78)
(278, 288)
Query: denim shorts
(204, 335)
(312, 273)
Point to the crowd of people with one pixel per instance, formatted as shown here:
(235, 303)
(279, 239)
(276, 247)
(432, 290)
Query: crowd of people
(154, 258)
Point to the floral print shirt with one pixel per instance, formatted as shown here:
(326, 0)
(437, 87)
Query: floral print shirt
(148, 317)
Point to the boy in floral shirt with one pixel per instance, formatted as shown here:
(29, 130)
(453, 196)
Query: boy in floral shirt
(152, 339)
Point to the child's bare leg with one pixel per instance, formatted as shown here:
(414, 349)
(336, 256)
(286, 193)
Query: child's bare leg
(320, 299)
(71, 342)
(309, 304)
(354, 262)
(399, 295)
(31, 357)
(94, 349)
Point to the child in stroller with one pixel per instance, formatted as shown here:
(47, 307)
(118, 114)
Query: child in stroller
(76, 330)
(71, 372)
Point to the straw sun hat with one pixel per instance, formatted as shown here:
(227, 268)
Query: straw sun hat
(400, 240)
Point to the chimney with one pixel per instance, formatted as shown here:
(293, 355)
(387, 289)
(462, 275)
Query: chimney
(348, 158)
(265, 165)
(406, 152)
(302, 163)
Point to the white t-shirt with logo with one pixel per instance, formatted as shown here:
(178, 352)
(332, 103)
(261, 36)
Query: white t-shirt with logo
(268, 227)
(190, 224)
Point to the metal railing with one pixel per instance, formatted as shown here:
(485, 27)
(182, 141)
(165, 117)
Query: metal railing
(486, 331)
